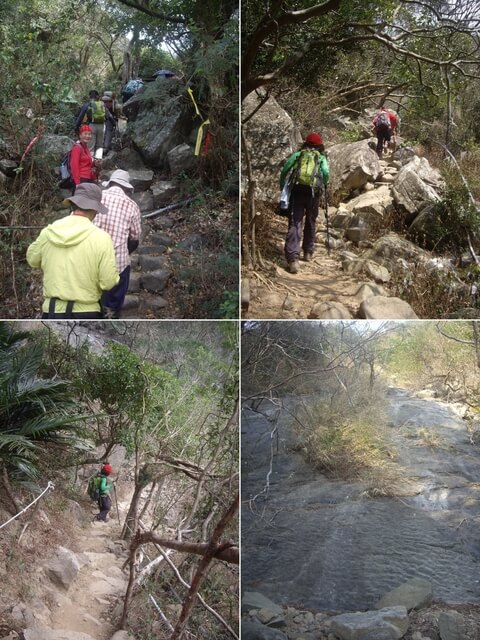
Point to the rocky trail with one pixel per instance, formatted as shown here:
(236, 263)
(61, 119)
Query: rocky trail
(85, 588)
(185, 225)
(332, 286)
(321, 546)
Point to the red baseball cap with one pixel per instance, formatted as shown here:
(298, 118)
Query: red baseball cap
(107, 469)
(315, 139)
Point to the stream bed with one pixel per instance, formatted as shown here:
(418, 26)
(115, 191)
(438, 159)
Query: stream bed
(322, 544)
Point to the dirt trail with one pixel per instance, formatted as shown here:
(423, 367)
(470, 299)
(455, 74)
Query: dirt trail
(100, 583)
(276, 293)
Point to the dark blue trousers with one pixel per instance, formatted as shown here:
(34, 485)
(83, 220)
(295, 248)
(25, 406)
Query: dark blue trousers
(115, 298)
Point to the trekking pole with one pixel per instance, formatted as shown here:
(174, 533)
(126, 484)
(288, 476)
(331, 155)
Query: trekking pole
(116, 502)
(326, 217)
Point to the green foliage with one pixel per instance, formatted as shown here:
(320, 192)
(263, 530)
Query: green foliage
(118, 381)
(346, 441)
(455, 219)
(418, 352)
(36, 414)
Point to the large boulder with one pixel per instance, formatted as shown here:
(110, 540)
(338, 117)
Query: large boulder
(330, 310)
(255, 600)
(367, 290)
(415, 593)
(164, 192)
(141, 179)
(391, 248)
(452, 625)
(403, 155)
(159, 120)
(63, 568)
(372, 204)
(181, 159)
(254, 630)
(359, 625)
(352, 165)
(271, 137)
(125, 159)
(144, 199)
(376, 271)
(54, 146)
(383, 308)
(426, 230)
(416, 184)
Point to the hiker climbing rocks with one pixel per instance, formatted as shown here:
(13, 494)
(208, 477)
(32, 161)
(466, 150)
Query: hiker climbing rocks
(385, 125)
(95, 114)
(111, 124)
(307, 170)
(83, 168)
(131, 88)
(77, 259)
(395, 127)
(104, 487)
(123, 222)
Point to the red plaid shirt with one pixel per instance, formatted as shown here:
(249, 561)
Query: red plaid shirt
(122, 222)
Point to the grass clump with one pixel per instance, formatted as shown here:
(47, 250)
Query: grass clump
(346, 440)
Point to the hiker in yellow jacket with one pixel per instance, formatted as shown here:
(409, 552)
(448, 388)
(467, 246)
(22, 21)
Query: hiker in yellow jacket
(77, 259)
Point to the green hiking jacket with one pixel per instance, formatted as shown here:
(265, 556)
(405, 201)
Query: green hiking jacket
(292, 160)
(105, 486)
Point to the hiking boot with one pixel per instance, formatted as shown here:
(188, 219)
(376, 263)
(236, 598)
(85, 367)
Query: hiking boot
(308, 256)
(294, 266)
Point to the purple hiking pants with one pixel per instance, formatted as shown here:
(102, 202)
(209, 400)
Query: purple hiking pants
(303, 202)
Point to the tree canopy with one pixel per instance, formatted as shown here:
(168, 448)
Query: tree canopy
(420, 55)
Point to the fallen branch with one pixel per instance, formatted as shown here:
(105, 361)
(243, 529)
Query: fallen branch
(227, 551)
(170, 207)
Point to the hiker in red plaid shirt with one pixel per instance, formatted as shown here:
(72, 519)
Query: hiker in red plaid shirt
(123, 223)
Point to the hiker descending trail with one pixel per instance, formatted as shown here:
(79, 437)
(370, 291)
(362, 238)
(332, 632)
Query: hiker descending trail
(84, 611)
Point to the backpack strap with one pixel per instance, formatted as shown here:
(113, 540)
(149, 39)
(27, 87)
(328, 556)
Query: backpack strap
(68, 310)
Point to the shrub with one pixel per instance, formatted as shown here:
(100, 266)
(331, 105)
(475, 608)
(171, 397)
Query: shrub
(456, 217)
(432, 292)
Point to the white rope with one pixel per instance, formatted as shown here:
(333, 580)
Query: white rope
(163, 616)
(49, 486)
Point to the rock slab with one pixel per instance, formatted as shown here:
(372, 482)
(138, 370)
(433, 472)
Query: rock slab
(413, 594)
(357, 626)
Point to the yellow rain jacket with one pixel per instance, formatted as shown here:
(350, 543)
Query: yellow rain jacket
(78, 263)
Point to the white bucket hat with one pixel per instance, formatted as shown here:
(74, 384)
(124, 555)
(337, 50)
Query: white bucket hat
(120, 177)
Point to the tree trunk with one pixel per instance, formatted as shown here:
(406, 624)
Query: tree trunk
(212, 549)
(130, 525)
(249, 213)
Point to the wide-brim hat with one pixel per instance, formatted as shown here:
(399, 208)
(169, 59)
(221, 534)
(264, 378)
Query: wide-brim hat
(106, 98)
(120, 177)
(88, 196)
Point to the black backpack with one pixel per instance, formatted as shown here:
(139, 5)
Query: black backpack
(65, 173)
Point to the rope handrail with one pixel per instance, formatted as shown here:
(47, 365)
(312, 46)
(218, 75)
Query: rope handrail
(49, 486)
